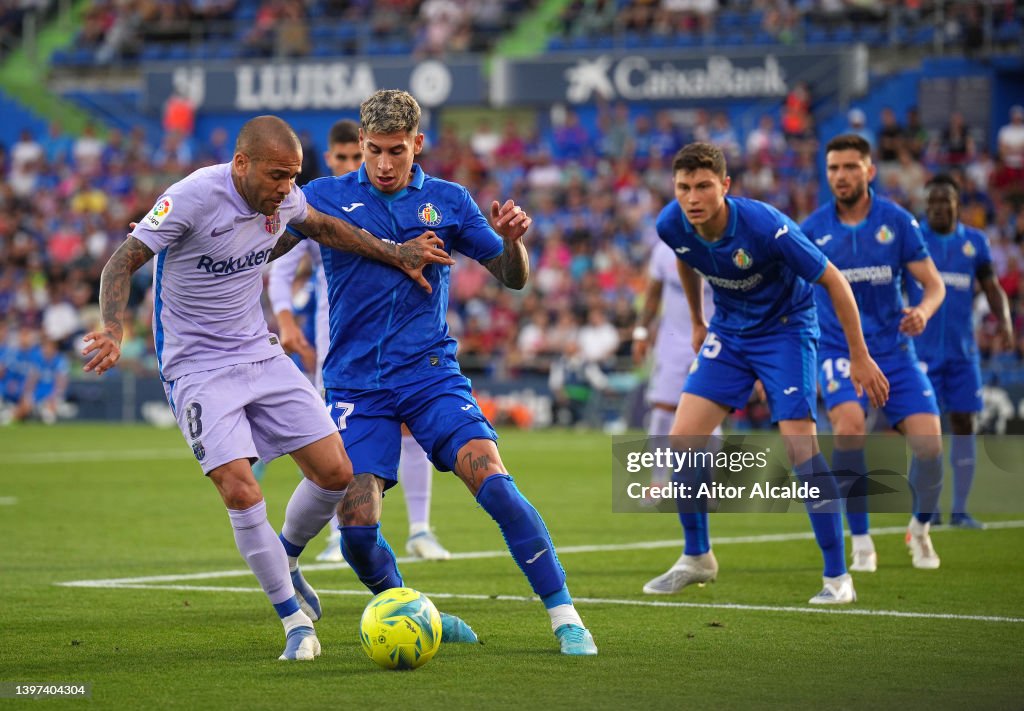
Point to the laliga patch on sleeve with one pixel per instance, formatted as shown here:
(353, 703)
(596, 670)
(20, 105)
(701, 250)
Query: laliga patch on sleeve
(159, 213)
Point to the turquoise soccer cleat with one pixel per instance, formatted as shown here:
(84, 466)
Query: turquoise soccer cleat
(454, 630)
(576, 641)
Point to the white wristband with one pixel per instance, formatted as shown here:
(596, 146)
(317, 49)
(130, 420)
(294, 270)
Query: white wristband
(640, 334)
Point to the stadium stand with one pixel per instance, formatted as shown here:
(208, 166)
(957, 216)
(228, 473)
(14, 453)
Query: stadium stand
(593, 178)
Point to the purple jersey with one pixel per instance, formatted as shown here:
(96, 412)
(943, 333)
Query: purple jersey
(207, 279)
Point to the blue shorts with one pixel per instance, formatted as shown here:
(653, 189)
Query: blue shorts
(957, 384)
(728, 365)
(440, 412)
(910, 393)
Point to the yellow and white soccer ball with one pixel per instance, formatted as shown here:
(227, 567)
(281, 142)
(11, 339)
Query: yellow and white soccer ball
(400, 629)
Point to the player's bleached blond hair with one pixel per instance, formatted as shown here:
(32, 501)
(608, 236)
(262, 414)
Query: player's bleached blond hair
(390, 111)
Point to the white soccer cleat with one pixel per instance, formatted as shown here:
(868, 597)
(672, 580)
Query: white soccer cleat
(425, 546)
(332, 553)
(837, 591)
(688, 570)
(921, 550)
(864, 562)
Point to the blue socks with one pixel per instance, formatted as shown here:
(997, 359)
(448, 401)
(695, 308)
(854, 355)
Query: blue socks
(526, 537)
(693, 513)
(926, 485)
(371, 557)
(826, 519)
(962, 456)
(850, 468)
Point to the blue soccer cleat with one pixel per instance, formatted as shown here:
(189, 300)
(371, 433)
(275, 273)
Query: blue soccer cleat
(576, 641)
(454, 630)
(301, 644)
(964, 520)
(309, 602)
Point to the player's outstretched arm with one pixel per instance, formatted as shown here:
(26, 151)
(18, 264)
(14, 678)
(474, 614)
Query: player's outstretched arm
(915, 318)
(864, 372)
(411, 257)
(998, 304)
(694, 290)
(512, 266)
(115, 284)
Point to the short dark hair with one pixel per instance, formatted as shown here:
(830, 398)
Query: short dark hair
(344, 131)
(849, 141)
(700, 155)
(944, 180)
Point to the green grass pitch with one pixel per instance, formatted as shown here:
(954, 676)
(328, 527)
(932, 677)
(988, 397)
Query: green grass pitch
(87, 503)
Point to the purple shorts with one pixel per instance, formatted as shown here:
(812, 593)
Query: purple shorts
(248, 411)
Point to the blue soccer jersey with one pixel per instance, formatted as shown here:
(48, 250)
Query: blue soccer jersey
(949, 335)
(385, 329)
(49, 371)
(872, 256)
(760, 270)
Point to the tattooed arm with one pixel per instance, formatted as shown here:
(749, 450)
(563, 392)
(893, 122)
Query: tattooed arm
(512, 266)
(284, 245)
(411, 257)
(115, 284)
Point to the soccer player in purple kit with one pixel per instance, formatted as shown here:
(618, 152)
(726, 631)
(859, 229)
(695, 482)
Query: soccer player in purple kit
(236, 395)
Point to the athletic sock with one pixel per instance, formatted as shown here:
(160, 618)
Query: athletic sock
(962, 453)
(416, 476)
(850, 468)
(659, 426)
(824, 512)
(693, 512)
(526, 536)
(262, 551)
(370, 556)
(308, 511)
(926, 484)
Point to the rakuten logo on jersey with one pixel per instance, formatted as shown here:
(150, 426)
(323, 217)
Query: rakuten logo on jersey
(232, 265)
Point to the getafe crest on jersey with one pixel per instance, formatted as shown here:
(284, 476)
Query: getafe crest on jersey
(273, 223)
(741, 259)
(885, 235)
(429, 215)
(969, 250)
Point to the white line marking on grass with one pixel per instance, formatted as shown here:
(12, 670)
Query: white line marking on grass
(123, 455)
(95, 455)
(8, 500)
(478, 555)
(600, 601)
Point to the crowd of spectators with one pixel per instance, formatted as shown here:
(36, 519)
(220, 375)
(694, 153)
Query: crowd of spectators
(118, 30)
(594, 194)
(968, 24)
